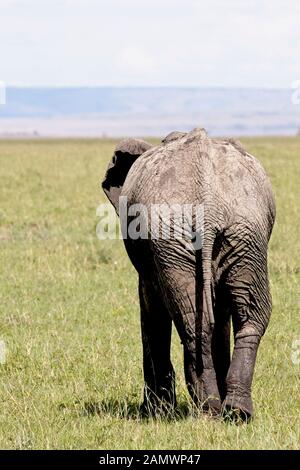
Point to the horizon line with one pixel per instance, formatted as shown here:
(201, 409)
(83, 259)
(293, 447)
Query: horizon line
(183, 87)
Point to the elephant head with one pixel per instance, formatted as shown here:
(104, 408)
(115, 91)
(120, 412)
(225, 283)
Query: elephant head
(124, 156)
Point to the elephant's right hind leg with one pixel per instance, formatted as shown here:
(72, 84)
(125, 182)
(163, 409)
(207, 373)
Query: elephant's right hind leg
(159, 376)
(251, 304)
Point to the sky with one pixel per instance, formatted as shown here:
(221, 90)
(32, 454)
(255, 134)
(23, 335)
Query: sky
(186, 43)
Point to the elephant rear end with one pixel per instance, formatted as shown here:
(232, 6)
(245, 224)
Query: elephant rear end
(199, 286)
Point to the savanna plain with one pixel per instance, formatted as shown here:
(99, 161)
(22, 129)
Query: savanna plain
(71, 371)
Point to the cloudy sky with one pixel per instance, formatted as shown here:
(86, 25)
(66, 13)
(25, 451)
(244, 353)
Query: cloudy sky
(150, 42)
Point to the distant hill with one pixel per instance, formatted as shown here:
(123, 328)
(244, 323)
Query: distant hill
(147, 111)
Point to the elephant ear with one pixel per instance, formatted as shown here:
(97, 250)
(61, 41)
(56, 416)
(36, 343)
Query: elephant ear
(126, 153)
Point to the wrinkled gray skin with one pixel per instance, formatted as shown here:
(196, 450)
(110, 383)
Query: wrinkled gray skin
(227, 278)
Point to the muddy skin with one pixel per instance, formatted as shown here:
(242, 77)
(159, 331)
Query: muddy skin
(200, 291)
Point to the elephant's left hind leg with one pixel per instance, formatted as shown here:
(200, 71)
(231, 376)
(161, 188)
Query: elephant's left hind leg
(159, 376)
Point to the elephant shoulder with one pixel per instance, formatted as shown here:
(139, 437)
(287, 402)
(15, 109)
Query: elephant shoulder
(237, 145)
(175, 135)
(134, 147)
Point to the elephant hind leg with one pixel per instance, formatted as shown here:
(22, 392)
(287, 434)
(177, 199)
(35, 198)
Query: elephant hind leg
(159, 376)
(196, 336)
(181, 284)
(238, 401)
(251, 304)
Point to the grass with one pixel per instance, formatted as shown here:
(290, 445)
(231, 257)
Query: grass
(69, 313)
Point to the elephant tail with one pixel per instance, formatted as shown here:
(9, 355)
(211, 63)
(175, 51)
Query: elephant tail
(207, 280)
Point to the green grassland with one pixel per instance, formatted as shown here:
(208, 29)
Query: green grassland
(69, 313)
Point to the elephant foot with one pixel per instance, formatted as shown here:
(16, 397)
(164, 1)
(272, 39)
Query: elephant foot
(237, 408)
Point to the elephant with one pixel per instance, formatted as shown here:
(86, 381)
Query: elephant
(201, 290)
